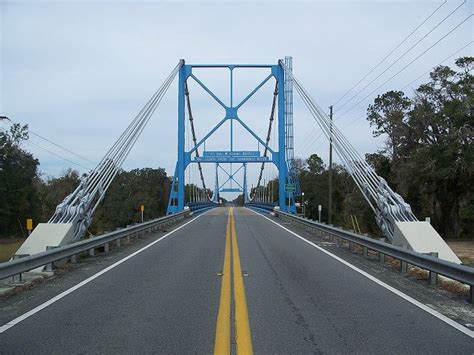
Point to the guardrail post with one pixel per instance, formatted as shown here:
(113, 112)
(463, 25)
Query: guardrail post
(92, 252)
(403, 267)
(73, 259)
(118, 241)
(18, 277)
(433, 276)
(106, 248)
(403, 264)
(49, 267)
(382, 255)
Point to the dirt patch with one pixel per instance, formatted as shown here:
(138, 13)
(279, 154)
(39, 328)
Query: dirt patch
(464, 250)
(8, 247)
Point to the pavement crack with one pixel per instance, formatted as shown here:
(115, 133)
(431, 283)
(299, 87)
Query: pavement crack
(300, 320)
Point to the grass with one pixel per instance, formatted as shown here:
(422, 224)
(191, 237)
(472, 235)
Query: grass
(8, 248)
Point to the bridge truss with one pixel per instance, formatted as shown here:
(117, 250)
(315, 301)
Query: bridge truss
(282, 157)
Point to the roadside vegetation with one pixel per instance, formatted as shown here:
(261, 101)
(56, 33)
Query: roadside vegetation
(24, 193)
(427, 158)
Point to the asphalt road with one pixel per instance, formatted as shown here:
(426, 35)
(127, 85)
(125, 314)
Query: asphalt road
(298, 299)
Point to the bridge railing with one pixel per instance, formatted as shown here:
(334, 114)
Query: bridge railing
(200, 206)
(261, 205)
(434, 265)
(27, 263)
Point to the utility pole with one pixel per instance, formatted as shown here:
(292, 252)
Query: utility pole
(330, 168)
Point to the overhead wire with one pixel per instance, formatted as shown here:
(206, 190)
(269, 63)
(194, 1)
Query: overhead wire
(400, 57)
(308, 138)
(391, 52)
(443, 61)
(350, 123)
(309, 146)
(52, 142)
(407, 65)
(55, 154)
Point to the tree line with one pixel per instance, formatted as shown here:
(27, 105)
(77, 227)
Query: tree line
(25, 194)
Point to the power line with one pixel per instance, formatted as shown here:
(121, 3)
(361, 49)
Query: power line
(390, 53)
(307, 138)
(56, 155)
(444, 60)
(60, 146)
(53, 143)
(310, 145)
(353, 121)
(403, 55)
(406, 66)
(411, 82)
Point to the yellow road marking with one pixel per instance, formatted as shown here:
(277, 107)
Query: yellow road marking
(222, 340)
(243, 336)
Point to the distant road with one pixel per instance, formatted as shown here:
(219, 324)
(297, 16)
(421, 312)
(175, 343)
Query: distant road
(287, 296)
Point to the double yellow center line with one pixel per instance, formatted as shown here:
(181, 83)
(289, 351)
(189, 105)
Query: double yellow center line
(243, 337)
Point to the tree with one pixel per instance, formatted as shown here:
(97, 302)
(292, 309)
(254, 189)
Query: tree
(315, 164)
(54, 190)
(441, 142)
(389, 116)
(18, 173)
(382, 165)
(430, 145)
(130, 190)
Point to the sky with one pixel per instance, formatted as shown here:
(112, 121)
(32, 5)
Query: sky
(78, 72)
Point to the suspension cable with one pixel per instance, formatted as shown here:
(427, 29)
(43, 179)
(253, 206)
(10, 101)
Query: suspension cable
(269, 132)
(370, 184)
(193, 132)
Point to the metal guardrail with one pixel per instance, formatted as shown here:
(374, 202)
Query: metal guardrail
(461, 273)
(24, 264)
(200, 206)
(261, 205)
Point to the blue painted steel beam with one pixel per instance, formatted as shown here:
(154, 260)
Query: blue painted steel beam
(181, 138)
(208, 91)
(230, 190)
(254, 134)
(231, 66)
(281, 140)
(254, 91)
(208, 135)
(233, 160)
(225, 171)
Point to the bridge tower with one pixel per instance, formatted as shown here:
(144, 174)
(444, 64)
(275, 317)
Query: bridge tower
(281, 157)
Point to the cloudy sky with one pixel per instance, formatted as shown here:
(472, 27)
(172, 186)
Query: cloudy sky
(78, 72)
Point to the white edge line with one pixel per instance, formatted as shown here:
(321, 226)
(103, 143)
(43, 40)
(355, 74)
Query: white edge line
(63, 294)
(399, 293)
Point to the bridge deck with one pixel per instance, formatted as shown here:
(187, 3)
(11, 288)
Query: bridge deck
(166, 299)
